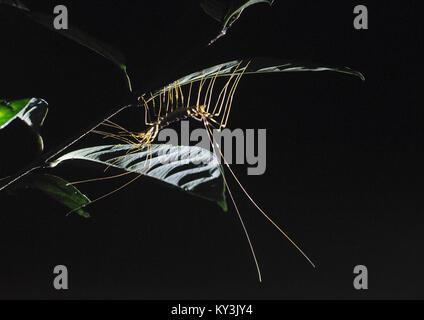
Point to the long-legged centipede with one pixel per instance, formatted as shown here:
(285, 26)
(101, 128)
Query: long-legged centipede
(175, 103)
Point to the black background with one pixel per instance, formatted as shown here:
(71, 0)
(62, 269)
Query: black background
(344, 157)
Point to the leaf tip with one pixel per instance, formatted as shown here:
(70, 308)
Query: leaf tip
(223, 205)
(124, 69)
(84, 214)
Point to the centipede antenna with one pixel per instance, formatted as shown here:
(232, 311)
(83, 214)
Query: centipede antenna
(257, 206)
(252, 250)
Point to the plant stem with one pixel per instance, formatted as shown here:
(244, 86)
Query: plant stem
(19, 176)
(43, 162)
(67, 145)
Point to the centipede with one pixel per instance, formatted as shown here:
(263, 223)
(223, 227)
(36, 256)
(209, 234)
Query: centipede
(199, 101)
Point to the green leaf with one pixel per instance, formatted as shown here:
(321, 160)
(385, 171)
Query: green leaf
(9, 110)
(75, 34)
(60, 190)
(227, 12)
(256, 66)
(14, 3)
(191, 169)
(32, 111)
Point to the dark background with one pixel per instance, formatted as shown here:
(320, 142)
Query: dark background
(344, 157)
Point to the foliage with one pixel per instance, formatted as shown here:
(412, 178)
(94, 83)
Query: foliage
(202, 179)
